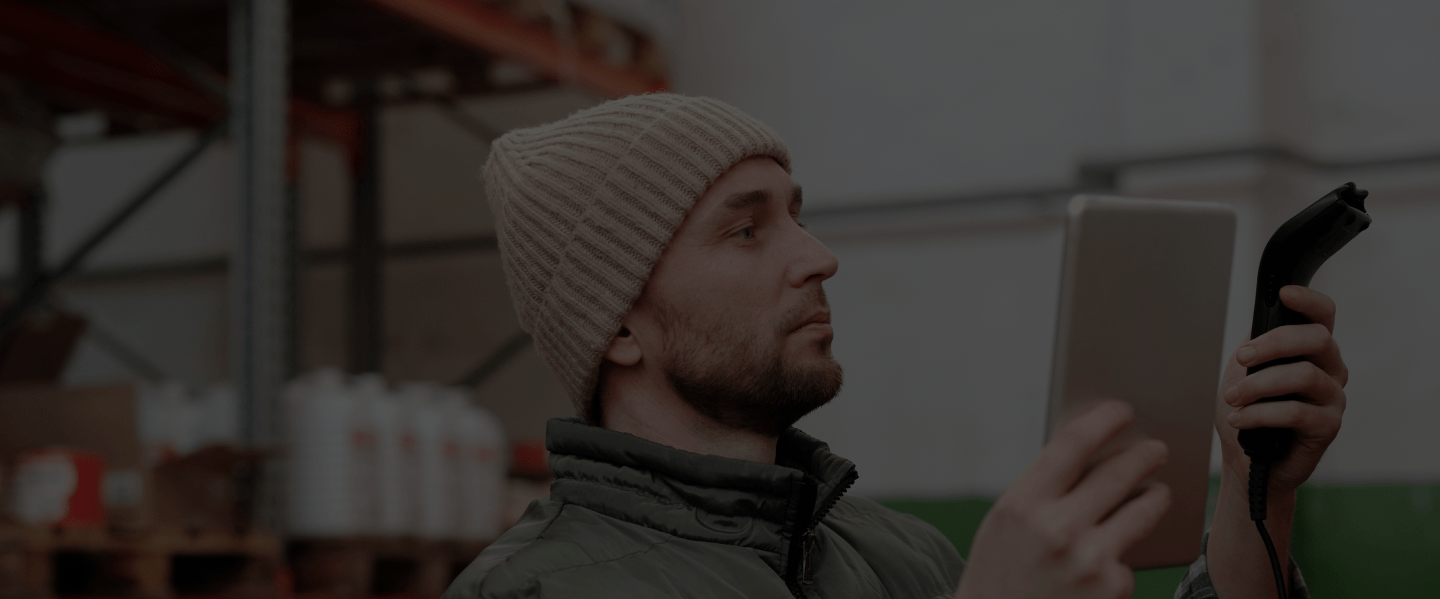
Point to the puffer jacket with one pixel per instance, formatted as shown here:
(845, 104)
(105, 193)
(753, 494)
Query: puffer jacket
(630, 518)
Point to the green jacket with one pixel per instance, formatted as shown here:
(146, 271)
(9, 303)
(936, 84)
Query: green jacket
(630, 518)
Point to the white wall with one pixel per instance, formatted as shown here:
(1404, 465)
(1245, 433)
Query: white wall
(899, 100)
(941, 333)
(1372, 76)
(946, 333)
(1387, 285)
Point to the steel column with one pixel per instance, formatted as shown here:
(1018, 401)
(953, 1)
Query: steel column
(259, 56)
(294, 278)
(32, 240)
(367, 251)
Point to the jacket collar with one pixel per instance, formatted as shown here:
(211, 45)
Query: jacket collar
(767, 508)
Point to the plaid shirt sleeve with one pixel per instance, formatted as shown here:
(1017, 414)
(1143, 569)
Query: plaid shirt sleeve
(1197, 585)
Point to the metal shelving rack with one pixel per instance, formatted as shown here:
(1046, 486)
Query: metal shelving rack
(255, 73)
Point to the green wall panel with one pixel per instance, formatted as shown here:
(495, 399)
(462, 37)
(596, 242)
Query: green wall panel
(1351, 541)
(1362, 541)
(957, 519)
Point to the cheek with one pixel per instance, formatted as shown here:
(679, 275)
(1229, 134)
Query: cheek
(742, 289)
(723, 292)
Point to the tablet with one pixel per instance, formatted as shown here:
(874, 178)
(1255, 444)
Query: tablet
(1143, 293)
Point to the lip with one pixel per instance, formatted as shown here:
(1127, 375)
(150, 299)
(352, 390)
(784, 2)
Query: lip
(819, 318)
(819, 327)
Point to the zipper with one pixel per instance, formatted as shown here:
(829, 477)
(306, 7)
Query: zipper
(807, 567)
(803, 573)
(834, 497)
(802, 538)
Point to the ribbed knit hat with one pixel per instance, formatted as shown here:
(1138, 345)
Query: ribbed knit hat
(585, 206)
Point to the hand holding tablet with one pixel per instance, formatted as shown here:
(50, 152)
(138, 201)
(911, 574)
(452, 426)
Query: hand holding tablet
(1143, 295)
(1122, 481)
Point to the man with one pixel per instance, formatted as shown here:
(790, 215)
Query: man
(653, 247)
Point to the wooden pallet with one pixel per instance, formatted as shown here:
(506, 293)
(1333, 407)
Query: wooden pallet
(39, 562)
(367, 566)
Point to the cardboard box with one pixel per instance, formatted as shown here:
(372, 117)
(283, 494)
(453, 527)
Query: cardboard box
(209, 489)
(100, 419)
(206, 490)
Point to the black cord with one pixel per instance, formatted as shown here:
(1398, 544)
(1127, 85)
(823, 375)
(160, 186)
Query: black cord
(1259, 487)
(1274, 559)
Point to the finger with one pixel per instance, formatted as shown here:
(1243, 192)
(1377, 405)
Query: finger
(1313, 305)
(1110, 482)
(1300, 378)
(1064, 459)
(1310, 341)
(1133, 521)
(1307, 420)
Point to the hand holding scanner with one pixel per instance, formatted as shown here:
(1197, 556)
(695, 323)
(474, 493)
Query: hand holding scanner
(1294, 253)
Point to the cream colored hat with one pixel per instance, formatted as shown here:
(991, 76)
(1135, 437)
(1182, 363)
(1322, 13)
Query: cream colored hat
(584, 207)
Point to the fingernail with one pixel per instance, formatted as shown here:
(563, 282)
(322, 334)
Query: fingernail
(1245, 355)
(1234, 418)
(1232, 394)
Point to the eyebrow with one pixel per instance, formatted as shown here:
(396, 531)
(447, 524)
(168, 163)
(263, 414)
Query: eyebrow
(745, 200)
(742, 201)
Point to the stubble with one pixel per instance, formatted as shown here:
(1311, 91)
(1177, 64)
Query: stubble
(744, 379)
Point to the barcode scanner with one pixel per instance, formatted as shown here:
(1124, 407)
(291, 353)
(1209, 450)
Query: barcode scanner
(1291, 257)
(1294, 253)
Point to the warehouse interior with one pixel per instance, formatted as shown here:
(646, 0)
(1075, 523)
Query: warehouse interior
(237, 234)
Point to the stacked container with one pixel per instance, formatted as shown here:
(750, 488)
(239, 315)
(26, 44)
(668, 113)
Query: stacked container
(361, 459)
(331, 466)
(167, 420)
(435, 461)
(482, 472)
(395, 473)
(217, 412)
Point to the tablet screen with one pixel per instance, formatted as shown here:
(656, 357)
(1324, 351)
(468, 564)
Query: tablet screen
(1143, 295)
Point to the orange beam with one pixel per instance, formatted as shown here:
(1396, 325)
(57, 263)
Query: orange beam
(109, 71)
(97, 67)
(339, 125)
(495, 32)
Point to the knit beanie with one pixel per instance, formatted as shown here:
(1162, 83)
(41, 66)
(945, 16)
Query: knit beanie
(585, 206)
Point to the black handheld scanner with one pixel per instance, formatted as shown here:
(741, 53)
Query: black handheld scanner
(1294, 253)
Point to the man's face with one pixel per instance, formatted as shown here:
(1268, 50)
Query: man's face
(743, 324)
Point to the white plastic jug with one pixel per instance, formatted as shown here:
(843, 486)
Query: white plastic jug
(217, 419)
(483, 469)
(331, 467)
(396, 474)
(167, 419)
(435, 457)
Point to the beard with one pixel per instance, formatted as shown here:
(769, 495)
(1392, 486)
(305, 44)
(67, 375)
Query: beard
(744, 379)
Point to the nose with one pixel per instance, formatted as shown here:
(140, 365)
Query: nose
(811, 261)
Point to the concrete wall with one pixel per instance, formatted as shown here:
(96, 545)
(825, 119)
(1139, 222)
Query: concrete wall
(945, 336)
(898, 100)
(944, 320)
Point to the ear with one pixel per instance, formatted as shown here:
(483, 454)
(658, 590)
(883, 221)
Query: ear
(624, 347)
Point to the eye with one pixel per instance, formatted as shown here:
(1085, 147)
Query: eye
(746, 233)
